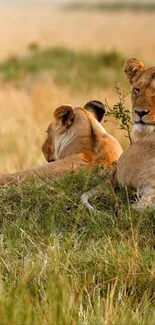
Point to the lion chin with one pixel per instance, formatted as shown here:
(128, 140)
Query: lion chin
(75, 139)
(141, 130)
(136, 166)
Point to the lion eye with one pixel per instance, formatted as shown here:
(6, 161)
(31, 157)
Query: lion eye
(136, 90)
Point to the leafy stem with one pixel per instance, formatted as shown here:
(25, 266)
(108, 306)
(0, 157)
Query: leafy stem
(120, 113)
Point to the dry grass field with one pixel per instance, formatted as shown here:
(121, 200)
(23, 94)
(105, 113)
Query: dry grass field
(128, 32)
(26, 108)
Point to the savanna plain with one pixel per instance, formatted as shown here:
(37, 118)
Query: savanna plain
(58, 263)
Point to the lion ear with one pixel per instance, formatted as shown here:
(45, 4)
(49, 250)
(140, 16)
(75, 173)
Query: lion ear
(97, 108)
(65, 115)
(133, 69)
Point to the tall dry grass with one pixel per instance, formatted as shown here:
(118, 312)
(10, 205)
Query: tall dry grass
(26, 109)
(128, 32)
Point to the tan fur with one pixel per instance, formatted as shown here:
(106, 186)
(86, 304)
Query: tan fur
(136, 166)
(74, 139)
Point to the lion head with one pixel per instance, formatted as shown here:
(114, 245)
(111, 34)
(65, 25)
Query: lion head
(75, 130)
(71, 131)
(75, 139)
(142, 97)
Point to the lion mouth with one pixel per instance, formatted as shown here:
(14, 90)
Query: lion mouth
(141, 116)
(140, 122)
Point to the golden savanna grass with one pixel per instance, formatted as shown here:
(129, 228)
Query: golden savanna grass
(128, 32)
(60, 264)
(26, 109)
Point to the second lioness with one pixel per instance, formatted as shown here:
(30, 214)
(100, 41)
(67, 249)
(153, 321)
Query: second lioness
(75, 139)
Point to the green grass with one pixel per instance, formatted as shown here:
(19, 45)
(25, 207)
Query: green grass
(113, 6)
(78, 70)
(61, 265)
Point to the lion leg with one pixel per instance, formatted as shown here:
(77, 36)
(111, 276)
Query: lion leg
(15, 178)
(146, 201)
(62, 166)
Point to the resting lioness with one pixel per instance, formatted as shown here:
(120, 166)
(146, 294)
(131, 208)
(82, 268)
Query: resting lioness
(136, 166)
(74, 139)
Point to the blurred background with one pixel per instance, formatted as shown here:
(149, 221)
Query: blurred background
(54, 52)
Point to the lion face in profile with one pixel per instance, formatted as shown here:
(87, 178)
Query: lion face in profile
(142, 97)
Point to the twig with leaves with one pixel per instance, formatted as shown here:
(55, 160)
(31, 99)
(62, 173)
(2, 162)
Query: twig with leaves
(120, 113)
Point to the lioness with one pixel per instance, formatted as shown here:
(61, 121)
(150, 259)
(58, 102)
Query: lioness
(136, 166)
(74, 139)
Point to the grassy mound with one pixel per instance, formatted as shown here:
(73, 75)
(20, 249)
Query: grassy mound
(112, 5)
(77, 70)
(61, 265)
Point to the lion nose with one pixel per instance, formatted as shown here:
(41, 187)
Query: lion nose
(141, 113)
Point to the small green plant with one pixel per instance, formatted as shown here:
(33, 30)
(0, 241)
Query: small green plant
(120, 113)
(33, 47)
